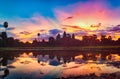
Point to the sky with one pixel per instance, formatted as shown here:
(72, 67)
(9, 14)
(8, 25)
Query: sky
(26, 18)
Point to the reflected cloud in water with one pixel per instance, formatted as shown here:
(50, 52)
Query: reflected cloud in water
(44, 66)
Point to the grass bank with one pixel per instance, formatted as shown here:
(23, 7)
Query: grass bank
(82, 48)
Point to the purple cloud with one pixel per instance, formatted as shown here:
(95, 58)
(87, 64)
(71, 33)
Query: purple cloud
(116, 28)
(25, 33)
(81, 33)
(103, 32)
(55, 31)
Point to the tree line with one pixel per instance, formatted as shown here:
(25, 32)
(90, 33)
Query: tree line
(60, 40)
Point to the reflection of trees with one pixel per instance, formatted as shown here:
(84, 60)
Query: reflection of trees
(65, 55)
(4, 60)
(8, 56)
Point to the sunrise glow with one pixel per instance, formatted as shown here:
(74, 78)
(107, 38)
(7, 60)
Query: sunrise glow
(79, 17)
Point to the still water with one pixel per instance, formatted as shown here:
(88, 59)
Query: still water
(57, 64)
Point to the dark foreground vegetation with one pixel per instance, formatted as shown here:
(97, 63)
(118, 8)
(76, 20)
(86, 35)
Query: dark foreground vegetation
(81, 48)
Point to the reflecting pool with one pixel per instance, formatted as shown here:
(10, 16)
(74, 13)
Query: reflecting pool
(57, 64)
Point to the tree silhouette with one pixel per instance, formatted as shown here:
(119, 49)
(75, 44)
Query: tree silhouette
(38, 35)
(5, 25)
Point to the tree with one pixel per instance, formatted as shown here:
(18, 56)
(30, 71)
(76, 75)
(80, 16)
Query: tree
(110, 38)
(5, 25)
(38, 36)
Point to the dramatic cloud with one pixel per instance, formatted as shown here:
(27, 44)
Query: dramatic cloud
(74, 27)
(25, 33)
(69, 18)
(86, 13)
(81, 33)
(96, 26)
(42, 30)
(102, 32)
(115, 29)
(55, 31)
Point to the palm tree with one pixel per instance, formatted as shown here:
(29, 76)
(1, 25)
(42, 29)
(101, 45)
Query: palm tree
(5, 25)
(38, 35)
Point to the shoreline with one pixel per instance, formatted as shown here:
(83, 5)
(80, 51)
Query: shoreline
(81, 48)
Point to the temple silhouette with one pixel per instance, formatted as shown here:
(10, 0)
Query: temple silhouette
(69, 40)
(60, 40)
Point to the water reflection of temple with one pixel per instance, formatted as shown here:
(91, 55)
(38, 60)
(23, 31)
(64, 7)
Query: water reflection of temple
(80, 58)
(84, 56)
(62, 57)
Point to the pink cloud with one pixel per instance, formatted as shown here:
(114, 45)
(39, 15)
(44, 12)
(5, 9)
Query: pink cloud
(88, 13)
